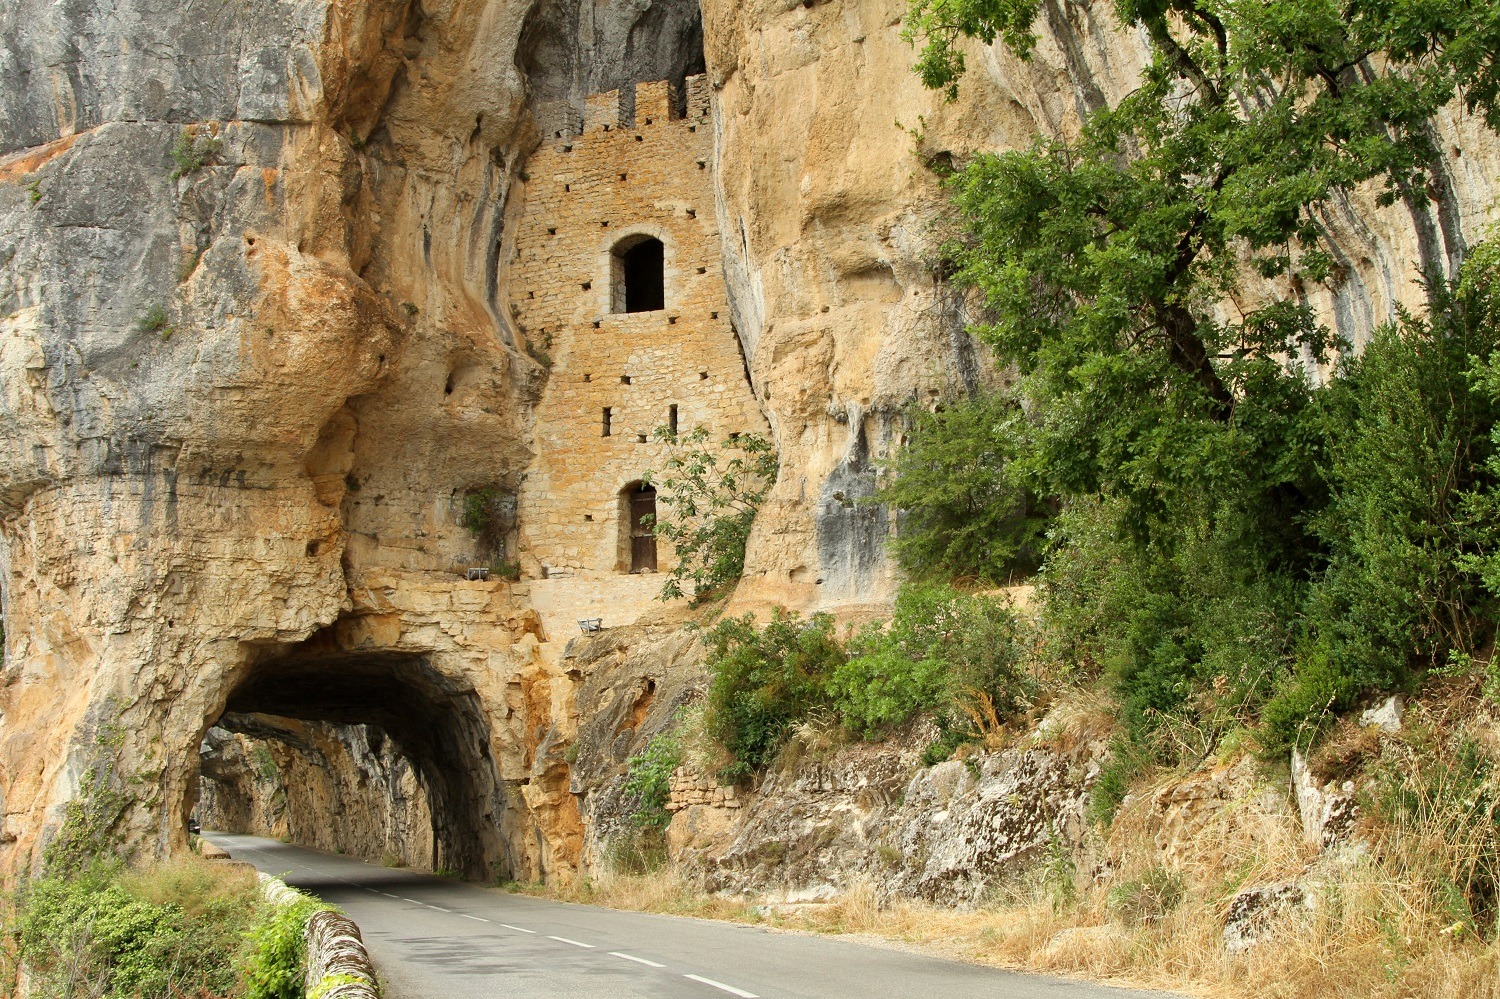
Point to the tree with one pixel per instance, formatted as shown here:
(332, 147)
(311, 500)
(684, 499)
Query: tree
(1183, 442)
(963, 514)
(711, 494)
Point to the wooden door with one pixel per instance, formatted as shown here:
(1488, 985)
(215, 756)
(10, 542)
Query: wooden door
(642, 530)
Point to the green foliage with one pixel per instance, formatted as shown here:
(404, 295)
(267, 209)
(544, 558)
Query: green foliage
(274, 964)
(763, 682)
(329, 982)
(263, 762)
(100, 930)
(155, 320)
(1228, 533)
(648, 778)
(1409, 529)
(34, 191)
(940, 648)
(192, 153)
(90, 828)
(1127, 761)
(487, 514)
(710, 494)
(964, 512)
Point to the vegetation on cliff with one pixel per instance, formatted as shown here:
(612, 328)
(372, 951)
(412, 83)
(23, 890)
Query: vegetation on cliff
(1235, 545)
(711, 492)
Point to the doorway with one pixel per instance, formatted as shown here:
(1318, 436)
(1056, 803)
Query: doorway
(640, 526)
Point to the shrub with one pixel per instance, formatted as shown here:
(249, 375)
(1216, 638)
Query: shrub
(763, 682)
(274, 963)
(488, 513)
(191, 154)
(710, 495)
(1409, 521)
(648, 778)
(170, 930)
(154, 321)
(964, 511)
(941, 648)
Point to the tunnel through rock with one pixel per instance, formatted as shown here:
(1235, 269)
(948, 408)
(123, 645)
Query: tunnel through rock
(377, 725)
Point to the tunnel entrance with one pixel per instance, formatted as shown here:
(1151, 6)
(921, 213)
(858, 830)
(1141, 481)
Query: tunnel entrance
(379, 724)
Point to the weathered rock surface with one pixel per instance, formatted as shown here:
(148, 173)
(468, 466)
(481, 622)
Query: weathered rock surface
(332, 787)
(245, 385)
(1254, 913)
(1328, 810)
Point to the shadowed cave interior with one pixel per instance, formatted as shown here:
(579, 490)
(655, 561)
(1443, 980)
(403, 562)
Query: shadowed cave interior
(375, 755)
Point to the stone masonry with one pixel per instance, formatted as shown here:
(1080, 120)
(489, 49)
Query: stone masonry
(624, 177)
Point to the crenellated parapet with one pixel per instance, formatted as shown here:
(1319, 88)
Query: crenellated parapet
(648, 104)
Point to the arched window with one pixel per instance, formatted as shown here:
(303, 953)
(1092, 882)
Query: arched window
(638, 275)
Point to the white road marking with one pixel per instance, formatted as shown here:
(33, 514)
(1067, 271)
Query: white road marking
(575, 943)
(518, 929)
(720, 985)
(477, 919)
(637, 960)
(389, 895)
(411, 900)
(439, 908)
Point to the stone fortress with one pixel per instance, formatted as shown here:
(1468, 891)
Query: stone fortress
(617, 285)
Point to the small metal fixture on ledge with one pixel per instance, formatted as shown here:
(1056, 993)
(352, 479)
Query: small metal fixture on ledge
(589, 625)
(478, 573)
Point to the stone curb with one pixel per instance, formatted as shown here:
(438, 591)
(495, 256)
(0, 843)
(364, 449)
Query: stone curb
(334, 949)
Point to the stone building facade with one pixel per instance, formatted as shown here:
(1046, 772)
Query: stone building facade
(617, 279)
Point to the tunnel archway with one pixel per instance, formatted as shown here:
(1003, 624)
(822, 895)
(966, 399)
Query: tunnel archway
(436, 722)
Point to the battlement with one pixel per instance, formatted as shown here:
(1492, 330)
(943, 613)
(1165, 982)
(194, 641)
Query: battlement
(648, 104)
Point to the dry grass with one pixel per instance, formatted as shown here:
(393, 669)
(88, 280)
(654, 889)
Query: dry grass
(1368, 937)
(195, 885)
(1397, 920)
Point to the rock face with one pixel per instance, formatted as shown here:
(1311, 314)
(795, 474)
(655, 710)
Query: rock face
(837, 815)
(332, 787)
(256, 349)
(1329, 811)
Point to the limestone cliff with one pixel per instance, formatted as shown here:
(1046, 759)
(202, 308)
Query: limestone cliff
(256, 348)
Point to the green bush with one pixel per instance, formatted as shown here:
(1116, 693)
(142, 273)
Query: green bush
(940, 648)
(648, 778)
(964, 511)
(1408, 527)
(708, 496)
(102, 930)
(762, 682)
(192, 153)
(274, 964)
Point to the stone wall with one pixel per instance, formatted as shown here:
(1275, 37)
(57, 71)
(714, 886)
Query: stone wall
(644, 173)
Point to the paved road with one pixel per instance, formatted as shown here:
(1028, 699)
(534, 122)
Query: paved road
(436, 939)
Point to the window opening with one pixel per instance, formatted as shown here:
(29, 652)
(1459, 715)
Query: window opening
(639, 275)
(608, 419)
(672, 419)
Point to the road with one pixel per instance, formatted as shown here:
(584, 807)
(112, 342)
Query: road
(432, 938)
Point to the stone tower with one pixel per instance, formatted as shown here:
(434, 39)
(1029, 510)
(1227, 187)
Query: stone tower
(617, 277)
